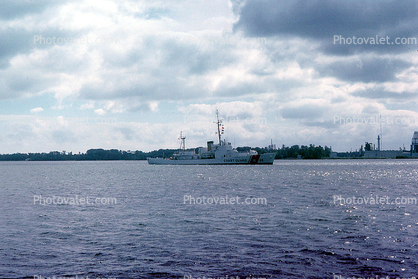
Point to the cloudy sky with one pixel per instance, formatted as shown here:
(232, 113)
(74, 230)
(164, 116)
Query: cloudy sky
(130, 74)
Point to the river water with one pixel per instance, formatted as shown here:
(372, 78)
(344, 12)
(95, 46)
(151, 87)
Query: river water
(128, 219)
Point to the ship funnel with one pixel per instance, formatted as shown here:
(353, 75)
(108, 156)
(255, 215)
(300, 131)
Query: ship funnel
(210, 145)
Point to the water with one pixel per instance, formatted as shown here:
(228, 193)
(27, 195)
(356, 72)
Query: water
(151, 232)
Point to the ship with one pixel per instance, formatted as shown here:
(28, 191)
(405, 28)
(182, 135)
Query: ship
(221, 153)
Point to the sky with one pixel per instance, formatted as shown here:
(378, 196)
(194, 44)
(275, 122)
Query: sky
(130, 75)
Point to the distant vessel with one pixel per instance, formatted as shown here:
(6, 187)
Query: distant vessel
(214, 154)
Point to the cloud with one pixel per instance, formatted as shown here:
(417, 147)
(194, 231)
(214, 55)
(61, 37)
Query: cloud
(89, 105)
(270, 67)
(302, 112)
(100, 111)
(227, 110)
(381, 93)
(366, 69)
(35, 110)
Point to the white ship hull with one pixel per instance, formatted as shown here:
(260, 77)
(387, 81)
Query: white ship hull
(267, 158)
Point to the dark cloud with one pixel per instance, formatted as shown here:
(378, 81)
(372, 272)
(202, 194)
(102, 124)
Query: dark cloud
(117, 59)
(21, 41)
(381, 93)
(339, 99)
(156, 13)
(364, 70)
(127, 132)
(20, 132)
(63, 136)
(237, 90)
(321, 124)
(370, 109)
(188, 57)
(11, 9)
(13, 41)
(17, 83)
(165, 87)
(18, 39)
(303, 112)
(409, 104)
(322, 19)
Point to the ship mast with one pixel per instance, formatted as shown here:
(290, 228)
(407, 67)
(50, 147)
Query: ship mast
(219, 123)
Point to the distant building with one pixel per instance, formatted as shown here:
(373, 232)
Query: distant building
(370, 151)
(377, 153)
(385, 154)
(272, 146)
(414, 145)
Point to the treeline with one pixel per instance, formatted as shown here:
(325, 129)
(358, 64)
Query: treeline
(90, 155)
(295, 151)
(304, 152)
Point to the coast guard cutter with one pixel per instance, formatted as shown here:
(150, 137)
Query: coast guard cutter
(214, 154)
